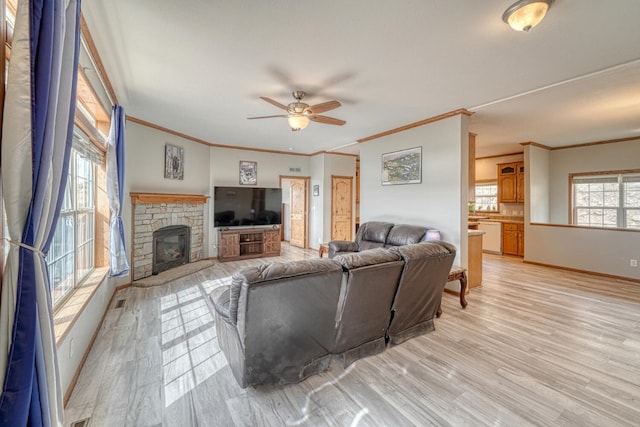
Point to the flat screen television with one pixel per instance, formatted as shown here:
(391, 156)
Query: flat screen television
(246, 206)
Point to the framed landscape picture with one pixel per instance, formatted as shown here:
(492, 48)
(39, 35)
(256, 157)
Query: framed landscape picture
(402, 167)
(173, 162)
(248, 172)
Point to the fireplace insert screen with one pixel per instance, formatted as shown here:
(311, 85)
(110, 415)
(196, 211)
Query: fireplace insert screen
(171, 247)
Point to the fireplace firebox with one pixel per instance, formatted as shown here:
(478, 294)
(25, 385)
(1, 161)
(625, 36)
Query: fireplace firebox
(171, 247)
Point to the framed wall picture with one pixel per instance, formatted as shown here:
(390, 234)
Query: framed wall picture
(173, 162)
(402, 167)
(248, 172)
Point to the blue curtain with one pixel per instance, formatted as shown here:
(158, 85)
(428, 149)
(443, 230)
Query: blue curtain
(36, 143)
(115, 182)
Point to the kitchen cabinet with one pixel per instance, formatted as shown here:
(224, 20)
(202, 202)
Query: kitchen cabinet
(472, 167)
(513, 239)
(511, 182)
(520, 182)
(520, 239)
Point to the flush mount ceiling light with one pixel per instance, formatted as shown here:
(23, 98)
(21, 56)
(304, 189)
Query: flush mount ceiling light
(523, 15)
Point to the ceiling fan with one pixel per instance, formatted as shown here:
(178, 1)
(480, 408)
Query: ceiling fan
(300, 113)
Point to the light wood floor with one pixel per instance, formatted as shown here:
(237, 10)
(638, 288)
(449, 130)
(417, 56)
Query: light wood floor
(535, 346)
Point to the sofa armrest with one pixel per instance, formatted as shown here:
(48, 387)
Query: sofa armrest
(221, 298)
(337, 246)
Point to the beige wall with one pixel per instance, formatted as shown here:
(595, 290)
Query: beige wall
(224, 167)
(144, 172)
(594, 158)
(440, 201)
(589, 249)
(537, 184)
(487, 169)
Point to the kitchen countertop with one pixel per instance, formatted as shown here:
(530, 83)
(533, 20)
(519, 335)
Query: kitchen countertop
(476, 232)
(504, 221)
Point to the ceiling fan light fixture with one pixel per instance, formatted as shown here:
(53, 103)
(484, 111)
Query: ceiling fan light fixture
(297, 122)
(523, 15)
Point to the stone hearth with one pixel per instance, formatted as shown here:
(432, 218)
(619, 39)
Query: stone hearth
(152, 211)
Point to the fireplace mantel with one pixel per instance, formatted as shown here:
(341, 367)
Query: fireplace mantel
(148, 198)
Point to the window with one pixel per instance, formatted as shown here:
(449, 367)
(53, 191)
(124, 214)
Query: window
(486, 196)
(71, 256)
(611, 200)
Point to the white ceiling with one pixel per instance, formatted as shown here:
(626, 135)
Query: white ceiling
(199, 67)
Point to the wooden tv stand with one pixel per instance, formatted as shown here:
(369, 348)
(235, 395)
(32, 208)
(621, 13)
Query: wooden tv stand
(244, 243)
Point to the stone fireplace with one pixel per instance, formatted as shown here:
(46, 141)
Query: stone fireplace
(178, 221)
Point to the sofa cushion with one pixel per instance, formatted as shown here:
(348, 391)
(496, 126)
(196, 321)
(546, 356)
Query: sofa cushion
(221, 299)
(353, 260)
(405, 234)
(424, 250)
(341, 246)
(366, 245)
(281, 270)
(374, 232)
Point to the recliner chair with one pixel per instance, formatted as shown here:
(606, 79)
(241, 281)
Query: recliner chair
(419, 294)
(369, 284)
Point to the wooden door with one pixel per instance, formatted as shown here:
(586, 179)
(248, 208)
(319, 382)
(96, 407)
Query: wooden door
(298, 213)
(341, 207)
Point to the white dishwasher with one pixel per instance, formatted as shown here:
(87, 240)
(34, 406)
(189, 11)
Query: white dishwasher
(492, 239)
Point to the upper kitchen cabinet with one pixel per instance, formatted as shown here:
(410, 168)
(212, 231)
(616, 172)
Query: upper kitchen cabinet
(520, 182)
(511, 182)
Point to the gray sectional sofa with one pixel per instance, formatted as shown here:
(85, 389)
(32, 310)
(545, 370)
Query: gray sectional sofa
(378, 234)
(282, 322)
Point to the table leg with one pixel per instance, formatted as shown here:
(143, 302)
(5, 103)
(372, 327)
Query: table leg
(324, 249)
(463, 289)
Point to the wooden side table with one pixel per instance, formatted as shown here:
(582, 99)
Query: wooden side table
(457, 273)
(324, 249)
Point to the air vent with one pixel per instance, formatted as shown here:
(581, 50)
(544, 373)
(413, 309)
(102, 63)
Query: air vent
(82, 423)
(294, 169)
(120, 303)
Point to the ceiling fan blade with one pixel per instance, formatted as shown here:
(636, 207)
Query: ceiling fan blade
(327, 120)
(272, 102)
(325, 106)
(267, 117)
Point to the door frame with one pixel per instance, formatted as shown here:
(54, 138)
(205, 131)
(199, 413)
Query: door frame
(306, 208)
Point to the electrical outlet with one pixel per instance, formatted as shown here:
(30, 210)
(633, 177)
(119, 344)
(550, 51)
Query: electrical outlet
(633, 263)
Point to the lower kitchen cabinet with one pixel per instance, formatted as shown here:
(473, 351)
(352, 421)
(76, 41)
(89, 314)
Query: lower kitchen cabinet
(513, 239)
